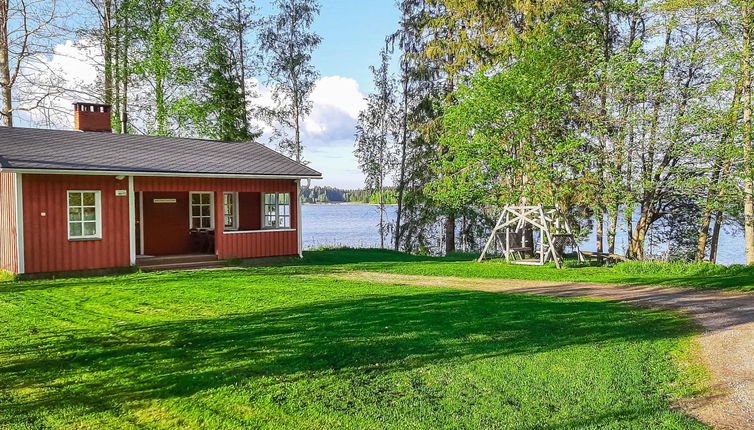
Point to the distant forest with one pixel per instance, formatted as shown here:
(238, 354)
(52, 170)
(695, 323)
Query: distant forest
(337, 195)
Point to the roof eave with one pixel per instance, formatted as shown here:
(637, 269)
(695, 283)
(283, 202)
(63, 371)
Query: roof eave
(158, 174)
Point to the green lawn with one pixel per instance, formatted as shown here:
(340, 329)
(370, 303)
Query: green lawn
(702, 275)
(249, 348)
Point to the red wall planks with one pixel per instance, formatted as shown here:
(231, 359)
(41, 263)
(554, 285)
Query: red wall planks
(46, 244)
(8, 224)
(250, 211)
(258, 244)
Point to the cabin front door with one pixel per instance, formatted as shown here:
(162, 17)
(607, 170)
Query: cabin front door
(165, 223)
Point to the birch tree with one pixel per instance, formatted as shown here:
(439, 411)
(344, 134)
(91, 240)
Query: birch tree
(747, 25)
(288, 43)
(376, 134)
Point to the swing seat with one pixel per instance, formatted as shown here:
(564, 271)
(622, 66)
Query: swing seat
(528, 262)
(515, 241)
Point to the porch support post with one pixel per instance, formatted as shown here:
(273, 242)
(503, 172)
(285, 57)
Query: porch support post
(218, 202)
(299, 207)
(131, 220)
(20, 223)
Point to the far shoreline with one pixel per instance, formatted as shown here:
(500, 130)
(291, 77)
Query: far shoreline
(347, 204)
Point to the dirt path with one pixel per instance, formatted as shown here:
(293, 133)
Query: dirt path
(727, 345)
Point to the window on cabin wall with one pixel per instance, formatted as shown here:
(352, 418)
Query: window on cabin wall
(230, 210)
(276, 211)
(201, 210)
(84, 215)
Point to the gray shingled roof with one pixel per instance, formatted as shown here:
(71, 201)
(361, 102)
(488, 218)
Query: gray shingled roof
(29, 148)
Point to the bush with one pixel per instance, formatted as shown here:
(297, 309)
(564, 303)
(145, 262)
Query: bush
(6, 276)
(680, 269)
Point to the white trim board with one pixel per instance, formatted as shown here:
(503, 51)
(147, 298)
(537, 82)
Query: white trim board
(141, 222)
(131, 221)
(157, 174)
(299, 219)
(20, 223)
(269, 230)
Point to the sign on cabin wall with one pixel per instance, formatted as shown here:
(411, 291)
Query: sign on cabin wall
(164, 200)
(121, 193)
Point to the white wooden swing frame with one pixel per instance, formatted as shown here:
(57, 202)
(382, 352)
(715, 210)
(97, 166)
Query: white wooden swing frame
(552, 225)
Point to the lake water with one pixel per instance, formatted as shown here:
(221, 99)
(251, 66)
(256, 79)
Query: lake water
(343, 225)
(356, 225)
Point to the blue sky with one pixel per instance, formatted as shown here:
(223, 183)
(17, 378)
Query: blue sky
(353, 32)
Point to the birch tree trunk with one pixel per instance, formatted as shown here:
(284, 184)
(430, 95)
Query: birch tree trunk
(748, 26)
(450, 220)
(402, 173)
(5, 80)
(241, 27)
(719, 219)
(125, 74)
(607, 48)
(107, 50)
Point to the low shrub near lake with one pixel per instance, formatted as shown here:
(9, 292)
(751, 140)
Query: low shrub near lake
(683, 269)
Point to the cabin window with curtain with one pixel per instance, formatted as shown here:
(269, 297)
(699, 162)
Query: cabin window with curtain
(230, 211)
(276, 210)
(84, 215)
(201, 210)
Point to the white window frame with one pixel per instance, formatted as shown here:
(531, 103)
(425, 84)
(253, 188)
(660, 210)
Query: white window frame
(97, 214)
(211, 209)
(234, 202)
(277, 212)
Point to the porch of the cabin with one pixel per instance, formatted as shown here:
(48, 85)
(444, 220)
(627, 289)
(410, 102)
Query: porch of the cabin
(196, 223)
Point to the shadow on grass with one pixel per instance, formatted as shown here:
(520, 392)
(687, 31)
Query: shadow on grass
(374, 334)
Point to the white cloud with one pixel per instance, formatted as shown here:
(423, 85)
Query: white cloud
(341, 92)
(328, 132)
(79, 60)
(67, 76)
(337, 103)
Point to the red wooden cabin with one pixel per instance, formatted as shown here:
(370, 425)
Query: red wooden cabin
(80, 200)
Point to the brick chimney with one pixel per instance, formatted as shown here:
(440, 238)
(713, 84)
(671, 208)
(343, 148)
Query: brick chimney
(92, 117)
